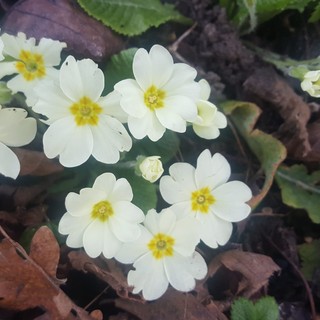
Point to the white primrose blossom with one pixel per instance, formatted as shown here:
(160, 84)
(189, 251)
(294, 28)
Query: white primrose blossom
(81, 121)
(164, 254)
(311, 83)
(151, 168)
(30, 62)
(162, 96)
(15, 131)
(101, 218)
(209, 119)
(204, 194)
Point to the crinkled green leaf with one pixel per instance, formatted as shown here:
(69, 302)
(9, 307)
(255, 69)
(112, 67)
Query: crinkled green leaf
(309, 253)
(119, 67)
(300, 190)
(265, 9)
(131, 17)
(315, 16)
(264, 309)
(269, 151)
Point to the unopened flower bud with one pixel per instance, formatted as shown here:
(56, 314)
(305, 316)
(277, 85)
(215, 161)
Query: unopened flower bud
(151, 168)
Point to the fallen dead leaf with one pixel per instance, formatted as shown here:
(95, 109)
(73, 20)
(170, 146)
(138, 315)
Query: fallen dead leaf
(173, 305)
(24, 283)
(45, 251)
(269, 86)
(35, 163)
(63, 20)
(246, 273)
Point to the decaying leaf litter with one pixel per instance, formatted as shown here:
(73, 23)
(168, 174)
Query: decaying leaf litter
(272, 135)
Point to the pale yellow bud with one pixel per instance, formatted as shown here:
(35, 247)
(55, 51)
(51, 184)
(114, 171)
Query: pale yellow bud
(151, 168)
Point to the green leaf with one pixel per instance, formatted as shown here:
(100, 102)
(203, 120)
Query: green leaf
(300, 190)
(309, 253)
(269, 151)
(5, 93)
(315, 16)
(265, 10)
(119, 67)
(166, 147)
(264, 309)
(131, 17)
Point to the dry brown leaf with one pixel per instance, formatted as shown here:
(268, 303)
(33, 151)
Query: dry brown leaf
(24, 284)
(45, 251)
(246, 272)
(269, 86)
(173, 305)
(35, 163)
(62, 20)
(108, 271)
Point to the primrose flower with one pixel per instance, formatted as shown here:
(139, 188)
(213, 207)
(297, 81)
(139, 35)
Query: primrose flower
(161, 97)
(15, 131)
(204, 193)
(30, 61)
(151, 168)
(81, 121)
(311, 83)
(101, 218)
(209, 119)
(163, 254)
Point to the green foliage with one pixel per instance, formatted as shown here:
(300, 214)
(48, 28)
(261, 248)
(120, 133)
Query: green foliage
(264, 309)
(309, 253)
(119, 67)
(269, 151)
(131, 17)
(5, 93)
(166, 147)
(300, 189)
(315, 16)
(239, 12)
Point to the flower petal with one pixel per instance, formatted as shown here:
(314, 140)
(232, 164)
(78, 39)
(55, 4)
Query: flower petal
(122, 191)
(124, 231)
(9, 164)
(110, 137)
(128, 212)
(213, 230)
(7, 68)
(205, 89)
(18, 130)
(230, 201)
(131, 251)
(162, 65)
(111, 245)
(179, 185)
(211, 171)
(178, 276)
(105, 182)
(74, 144)
(81, 78)
(142, 68)
(149, 277)
(131, 98)
(74, 227)
(186, 235)
(148, 125)
(79, 205)
(93, 241)
(50, 50)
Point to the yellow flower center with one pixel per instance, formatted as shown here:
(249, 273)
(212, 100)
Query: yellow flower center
(31, 65)
(153, 98)
(161, 246)
(201, 200)
(102, 210)
(86, 111)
